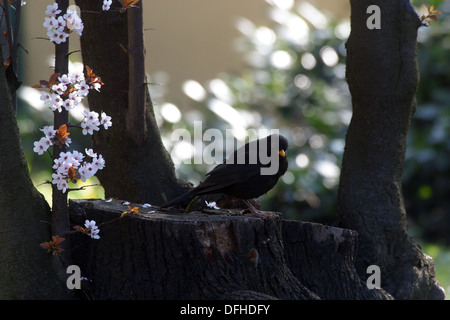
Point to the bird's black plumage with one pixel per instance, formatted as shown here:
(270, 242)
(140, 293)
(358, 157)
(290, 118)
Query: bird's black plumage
(249, 172)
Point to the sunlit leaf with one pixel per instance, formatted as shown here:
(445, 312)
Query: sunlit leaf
(53, 246)
(53, 78)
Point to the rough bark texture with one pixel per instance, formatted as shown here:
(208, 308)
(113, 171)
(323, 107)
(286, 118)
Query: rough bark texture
(25, 268)
(323, 259)
(149, 175)
(382, 76)
(213, 255)
(12, 32)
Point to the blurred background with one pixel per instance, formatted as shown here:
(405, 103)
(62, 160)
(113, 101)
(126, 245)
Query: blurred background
(274, 64)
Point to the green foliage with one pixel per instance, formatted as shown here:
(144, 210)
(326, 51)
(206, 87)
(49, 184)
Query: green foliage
(441, 257)
(427, 167)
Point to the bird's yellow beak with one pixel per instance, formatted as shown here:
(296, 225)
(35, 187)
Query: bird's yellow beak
(282, 153)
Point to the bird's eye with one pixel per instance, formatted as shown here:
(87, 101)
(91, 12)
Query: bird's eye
(282, 153)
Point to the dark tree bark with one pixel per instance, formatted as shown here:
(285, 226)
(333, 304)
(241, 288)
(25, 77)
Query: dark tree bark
(25, 269)
(323, 259)
(12, 26)
(382, 76)
(214, 255)
(137, 86)
(138, 168)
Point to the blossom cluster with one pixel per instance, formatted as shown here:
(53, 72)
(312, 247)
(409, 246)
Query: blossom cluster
(59, 27)
(45, 142)
(66, 91)
(91, 229)
(70, 166)
(92, 122)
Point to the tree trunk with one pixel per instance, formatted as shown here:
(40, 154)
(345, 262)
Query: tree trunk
(382, 76)
(25, 268)
(60, 211)
(137, 169)
(215, 254)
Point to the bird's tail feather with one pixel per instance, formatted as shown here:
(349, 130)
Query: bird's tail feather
(186, 196)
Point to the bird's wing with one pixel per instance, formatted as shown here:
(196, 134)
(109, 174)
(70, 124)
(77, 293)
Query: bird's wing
(220, 177)
(225, 175)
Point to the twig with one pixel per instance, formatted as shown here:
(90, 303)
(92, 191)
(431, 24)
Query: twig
(40, 38)
(45, 182)
(73, 52)
(15, 47)
(83, 187)
(23, 48)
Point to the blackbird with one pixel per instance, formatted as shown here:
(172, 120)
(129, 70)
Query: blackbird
(249, 172)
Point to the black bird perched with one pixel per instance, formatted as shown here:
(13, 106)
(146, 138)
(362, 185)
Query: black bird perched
(249, 172)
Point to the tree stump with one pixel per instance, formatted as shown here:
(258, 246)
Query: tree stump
(323, 259)
(213, 254)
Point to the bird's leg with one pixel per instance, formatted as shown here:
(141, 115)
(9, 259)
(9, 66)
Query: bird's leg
(257, 213)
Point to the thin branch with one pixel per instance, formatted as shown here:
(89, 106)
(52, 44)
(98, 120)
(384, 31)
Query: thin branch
(51, 155)
(83, 187)
(23, 48)
(40, 38)
(90, 11)
(75, 51)
(15, 46)
(8, 30)
(60, 211)
(45, 182)
(70, 125)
